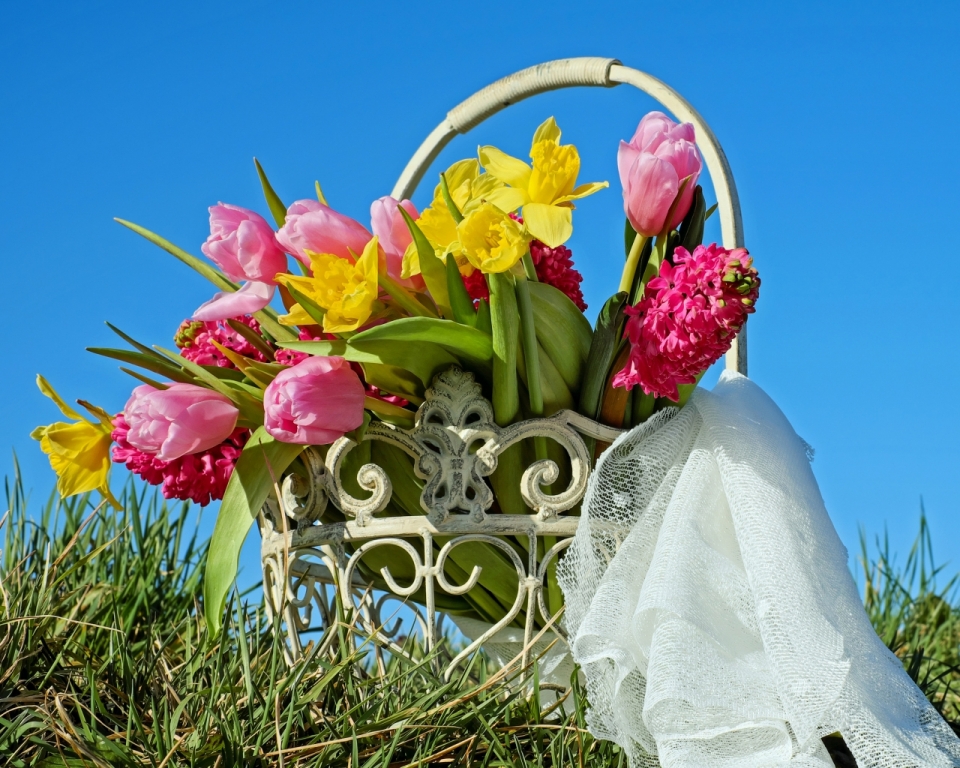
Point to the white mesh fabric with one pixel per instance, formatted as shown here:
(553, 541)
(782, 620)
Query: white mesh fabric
(711, 610)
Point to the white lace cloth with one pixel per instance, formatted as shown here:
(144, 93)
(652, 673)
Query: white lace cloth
(710, 606)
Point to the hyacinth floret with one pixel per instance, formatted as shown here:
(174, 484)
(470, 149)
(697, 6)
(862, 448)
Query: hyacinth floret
(687, 318)
(195, 340)
(199, 477)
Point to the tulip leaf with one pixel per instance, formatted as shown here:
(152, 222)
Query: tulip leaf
(460, 301)
(691, 228)
(277, 208)
(629, 235)
(505, 319)
(431, 267)
(603, 348)
(259, 468)
(423, 359)
(484, 323)
(394, 380)
(560, 321)
(461, 340)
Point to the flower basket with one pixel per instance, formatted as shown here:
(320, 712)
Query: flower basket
(454, 447)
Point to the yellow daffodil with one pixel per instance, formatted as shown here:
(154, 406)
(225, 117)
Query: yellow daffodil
(544, 192)
(345, 289)
(437, 223)
(79, 452)
(491, 240)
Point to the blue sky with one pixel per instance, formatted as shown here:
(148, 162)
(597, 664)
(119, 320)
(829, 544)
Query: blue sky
(839, 120)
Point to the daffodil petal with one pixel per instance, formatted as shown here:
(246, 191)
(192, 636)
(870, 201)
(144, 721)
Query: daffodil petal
(583, 190)
(549, 224)
(296, 316)
(507, 199)
(411, 262)
(508, 169)
(547, 131)
(50, 392)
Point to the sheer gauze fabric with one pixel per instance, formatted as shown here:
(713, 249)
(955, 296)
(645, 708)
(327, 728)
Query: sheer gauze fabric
(711, 610)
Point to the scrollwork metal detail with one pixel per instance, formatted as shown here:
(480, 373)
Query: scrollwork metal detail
(455, 445)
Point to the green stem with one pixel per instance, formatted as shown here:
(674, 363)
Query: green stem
(504, 322)
(531, 358)
(633, 258)
(402, 297)
(529, 269)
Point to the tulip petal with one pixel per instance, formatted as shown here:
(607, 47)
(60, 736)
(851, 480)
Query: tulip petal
(549, 224)
(508, 169)
(252, 297)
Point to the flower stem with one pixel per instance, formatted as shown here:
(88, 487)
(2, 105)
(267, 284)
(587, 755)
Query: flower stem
(531, 357)
(633, 259)
(402, 297)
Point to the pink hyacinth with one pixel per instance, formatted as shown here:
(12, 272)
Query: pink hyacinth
(194, 338)
(200, 477)
(555, 267)
(687, 318)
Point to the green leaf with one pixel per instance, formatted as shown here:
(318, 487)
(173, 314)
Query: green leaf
(484, 323)
(396, 381)
(432, 268)
(562, 330)
(212, 376)
(212, 274)
(260, 466)
(144, 379)
(691, 228)
(461, 340)
(629, 235)
(423, 359)
(253, 337)
(460, 301)
(148, 363)
(448, 199)
(277, 208)
(269, 323)
(309, 305)
(603, 347)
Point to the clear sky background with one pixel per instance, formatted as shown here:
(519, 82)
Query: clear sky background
(839, 120)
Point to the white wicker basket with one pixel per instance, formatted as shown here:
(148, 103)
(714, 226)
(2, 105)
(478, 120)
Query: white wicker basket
(304, 561)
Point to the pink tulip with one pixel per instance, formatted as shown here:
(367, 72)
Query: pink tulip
(389, 226)
(179, 420)
(652, 167)
(314, 403)
(313, 226)
(245, 248)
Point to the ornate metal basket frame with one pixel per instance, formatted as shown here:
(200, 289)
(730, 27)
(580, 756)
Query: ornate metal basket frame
(455, 444)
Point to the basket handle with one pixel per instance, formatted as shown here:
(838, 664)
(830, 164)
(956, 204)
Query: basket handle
(589, 71)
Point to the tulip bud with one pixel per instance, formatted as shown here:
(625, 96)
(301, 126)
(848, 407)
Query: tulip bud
(652, 167)
(315, 402)
(179, 420)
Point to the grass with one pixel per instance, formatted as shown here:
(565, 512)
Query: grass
(104, 661)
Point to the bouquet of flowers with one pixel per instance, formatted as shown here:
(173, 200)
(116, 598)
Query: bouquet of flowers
(481, 278)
